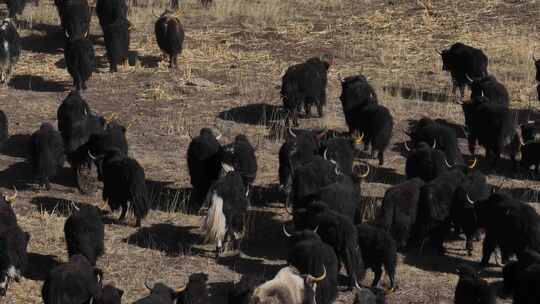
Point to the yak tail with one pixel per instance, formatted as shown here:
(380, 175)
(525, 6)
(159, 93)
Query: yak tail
(140, 200)
(214, 224)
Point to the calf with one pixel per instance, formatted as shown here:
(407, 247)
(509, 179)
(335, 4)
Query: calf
(4, 129)
(521, 230)
(514, 269)
(84, 232)
(488, 86)
(438, 134)
(310, 255)
(337, 231)
(170, 36)
(76, 281)
(123, 181)
(304, 84)
(11, 50)
(80, 60)
(204, 162)
(288, 286)
(378, 249)
(399, 210)
(161, 294)
(471, 288)
(228, 207)
(46, 154)
(240, 156)
(373, 121)
(493, 126)
(462, 60)
(195, 291)
(434, 205)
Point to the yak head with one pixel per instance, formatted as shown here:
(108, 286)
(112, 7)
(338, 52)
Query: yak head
(110, 295)
(13, 256)
(286, 286)
(447, 59)
(165, 291)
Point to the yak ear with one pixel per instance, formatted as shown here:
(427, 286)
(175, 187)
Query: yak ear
(121, 292)
(27, 236)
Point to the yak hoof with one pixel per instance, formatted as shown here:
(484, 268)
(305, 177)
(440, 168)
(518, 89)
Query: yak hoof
(390, 290)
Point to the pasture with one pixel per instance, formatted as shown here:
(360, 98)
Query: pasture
(228, 78)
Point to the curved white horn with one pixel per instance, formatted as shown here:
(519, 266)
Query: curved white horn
(287, 234)
(325, 154)
(434, 144)
(292, 133)
(406, 146)
(469, 199)
(91, 156)
(447, 163)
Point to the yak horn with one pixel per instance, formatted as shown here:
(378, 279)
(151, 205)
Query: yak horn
(315, 230)
(469, 78)
(447, 163)
(287, 234)
(473, 164)
(219, 136)
(292, 133)
(91, 156)
(434, 144)
(367, 171)
(358, 140)
(469, 199)
(406, 146)
(181, 289)
(66, 33)
(320, 278)
(11, 199)
(147, 286)
(325, 154)
(287, 206)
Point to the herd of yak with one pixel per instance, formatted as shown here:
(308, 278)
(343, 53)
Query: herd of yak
(320, 174)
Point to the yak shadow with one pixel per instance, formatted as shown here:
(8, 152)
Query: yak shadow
(254, 114)
(47, 44)
(385, 176)
(16, 175)
(150, 61)
(170, 239)
(16, 145)
(522, 116)
(39, 266)
(37, 84)
(262, 196)
(415, 94)
(524, 194)
(435, 263)
(164, 197)
(264, 237)
(54, 205)
(247, 265)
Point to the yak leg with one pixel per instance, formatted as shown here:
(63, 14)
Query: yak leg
(377, 270)
(307, 108)
(171, 61)
(472, 143)
(320, 110)
(380, 156)
(124, 211)
(462, 91)
(469, 244)
(487, 249)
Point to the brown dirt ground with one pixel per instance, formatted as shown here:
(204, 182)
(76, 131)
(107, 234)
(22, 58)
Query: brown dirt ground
(228, 78)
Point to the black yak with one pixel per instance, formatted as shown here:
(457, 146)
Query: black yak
(4, 128)
(84, 232)
(339, 232)
(161, 294)
(76, 281)
(462, 60)
(227, 208)
(11, 50)
(196, 291)
(399, 210)
(513, 270)
(366, 119)
(117, 40)
(204, 163)
(240, 156)
(492, 125)
(46, 154)
(80, 60)
(304, 84)
(378, 250)
(489, 87)
(123, 181)
(74, 17)
(170, 36)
